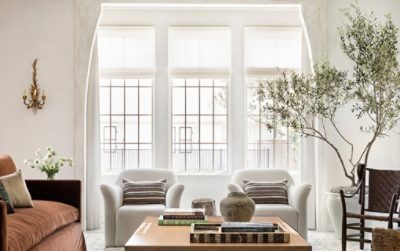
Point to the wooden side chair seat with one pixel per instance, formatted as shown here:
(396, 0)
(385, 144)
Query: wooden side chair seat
(383, 197)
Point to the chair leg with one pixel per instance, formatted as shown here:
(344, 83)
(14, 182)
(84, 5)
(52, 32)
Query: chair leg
(344, 233)
(362, 234)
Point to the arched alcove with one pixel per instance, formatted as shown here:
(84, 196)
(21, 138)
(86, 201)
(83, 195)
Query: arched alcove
(87, 15)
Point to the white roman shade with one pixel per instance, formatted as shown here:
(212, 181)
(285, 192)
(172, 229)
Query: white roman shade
(127, 49)
(270, 48)
(199, 50)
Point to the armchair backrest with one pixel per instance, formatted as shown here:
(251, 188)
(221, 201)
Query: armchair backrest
(261, 175)
(153, 174)
(7, 165)
(383, 184)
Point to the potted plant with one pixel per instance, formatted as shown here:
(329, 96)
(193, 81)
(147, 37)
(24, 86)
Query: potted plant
(49, 163)
(309, 103)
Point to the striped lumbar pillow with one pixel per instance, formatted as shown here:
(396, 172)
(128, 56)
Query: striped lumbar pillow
(144, 192)
(263, 192)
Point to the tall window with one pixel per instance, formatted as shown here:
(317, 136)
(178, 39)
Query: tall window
(126, 65)
(199, 68)
(268, 51)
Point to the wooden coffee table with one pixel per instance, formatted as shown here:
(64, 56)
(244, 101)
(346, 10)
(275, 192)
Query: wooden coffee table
(151, 237)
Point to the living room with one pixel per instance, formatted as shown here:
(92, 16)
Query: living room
(211, 100)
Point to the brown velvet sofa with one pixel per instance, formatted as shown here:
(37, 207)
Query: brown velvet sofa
(52, 224)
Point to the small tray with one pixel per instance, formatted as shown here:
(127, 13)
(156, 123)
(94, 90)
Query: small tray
(211, 233)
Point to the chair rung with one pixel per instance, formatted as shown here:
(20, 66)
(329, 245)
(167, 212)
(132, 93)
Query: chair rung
(365, 229)
(353, 224)
(353, 235)
(358, 240)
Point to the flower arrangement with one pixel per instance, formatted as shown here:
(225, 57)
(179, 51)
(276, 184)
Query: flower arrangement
(48, 163)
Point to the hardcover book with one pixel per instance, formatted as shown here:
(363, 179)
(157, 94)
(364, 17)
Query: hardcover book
(248, 227)
(184, 211)
(168, 222)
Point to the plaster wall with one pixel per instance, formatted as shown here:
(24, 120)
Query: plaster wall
(45, 30)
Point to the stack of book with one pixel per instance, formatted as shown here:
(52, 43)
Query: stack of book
(182, 217)
(239, 232)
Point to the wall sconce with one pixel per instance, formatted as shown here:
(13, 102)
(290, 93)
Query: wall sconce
(36, 100)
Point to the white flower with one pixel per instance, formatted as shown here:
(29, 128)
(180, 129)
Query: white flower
(37, 162)
(26, 162)
(37, 152)
(49, 155)
(49, 149)
(53, 153)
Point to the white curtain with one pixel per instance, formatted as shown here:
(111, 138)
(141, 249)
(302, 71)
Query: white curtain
(93, 147)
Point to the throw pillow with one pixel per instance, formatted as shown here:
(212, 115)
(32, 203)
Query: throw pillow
(144, 192)
(17, 190)
(263, 192)
(4, 196)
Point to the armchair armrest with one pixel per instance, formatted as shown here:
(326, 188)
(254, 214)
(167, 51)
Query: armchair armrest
(298, 195)
(112, 196)
(233, 187)
(64, 191)
(3, 225)
(173, 196)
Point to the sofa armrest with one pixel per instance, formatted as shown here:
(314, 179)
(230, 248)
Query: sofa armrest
(3, 225)
(298, 195)
(174, 194)
(64, 191)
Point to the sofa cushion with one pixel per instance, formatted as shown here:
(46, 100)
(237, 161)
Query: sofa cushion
(267, 192)
(144, 192)
(129, 218)
(4, 196)
(29, 226)
(285, 212)
(16, 188)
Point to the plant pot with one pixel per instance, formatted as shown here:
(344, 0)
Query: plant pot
(237, 206)
(51, 177)
(335, 211)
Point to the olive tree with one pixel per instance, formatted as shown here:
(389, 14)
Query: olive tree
(309, 103)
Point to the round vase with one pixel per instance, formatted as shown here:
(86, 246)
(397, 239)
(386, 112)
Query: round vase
(51, 177)
(237, 206)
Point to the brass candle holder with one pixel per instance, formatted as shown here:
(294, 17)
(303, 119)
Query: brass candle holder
(36, 98)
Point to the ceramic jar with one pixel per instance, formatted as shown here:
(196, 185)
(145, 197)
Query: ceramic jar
(237, 206)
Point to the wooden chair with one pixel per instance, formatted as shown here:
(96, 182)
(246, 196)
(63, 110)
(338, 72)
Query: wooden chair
(383, 194)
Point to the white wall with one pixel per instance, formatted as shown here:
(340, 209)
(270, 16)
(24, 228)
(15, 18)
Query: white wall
(42, 29)
(385, 152)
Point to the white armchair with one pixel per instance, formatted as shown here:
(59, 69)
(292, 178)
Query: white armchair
(295, 213)
(121, 221)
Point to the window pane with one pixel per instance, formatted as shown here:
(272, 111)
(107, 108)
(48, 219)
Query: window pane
(104, 129)
(178, 101)
(145, 100)
(192, 100)
(206, 129)
(206, 102)
(131, 156)
(145, 129)
(117, 100)
(192, 129)
(117, 129)
(220, 104)
(131, 100)
(206, 157)
(220, 129)
(104, 95)
(131, 129)
(220, 157)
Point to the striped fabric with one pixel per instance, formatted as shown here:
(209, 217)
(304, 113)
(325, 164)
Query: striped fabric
(144, 192)
(267, 192)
